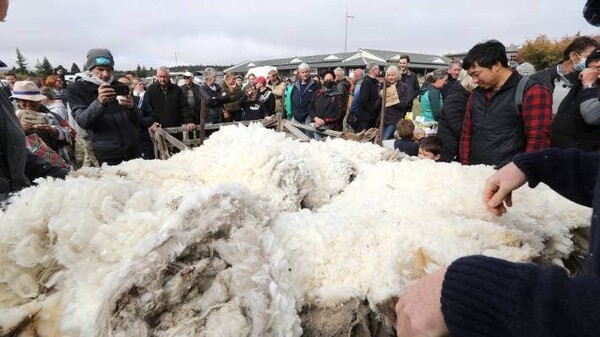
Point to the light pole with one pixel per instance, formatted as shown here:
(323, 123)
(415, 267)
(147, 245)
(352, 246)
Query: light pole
(346, 31)
(176, 64)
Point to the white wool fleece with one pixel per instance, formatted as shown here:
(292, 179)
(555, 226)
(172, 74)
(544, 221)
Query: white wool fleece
(287, 223)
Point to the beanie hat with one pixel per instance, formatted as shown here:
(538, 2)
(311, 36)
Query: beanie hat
(591, 12)
(99, 57)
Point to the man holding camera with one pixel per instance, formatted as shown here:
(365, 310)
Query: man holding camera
(105, 109)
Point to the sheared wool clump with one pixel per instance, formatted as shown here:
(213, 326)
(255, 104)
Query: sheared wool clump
(249, 229)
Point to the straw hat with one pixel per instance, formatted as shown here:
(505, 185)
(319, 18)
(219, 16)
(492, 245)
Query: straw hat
(27, 90)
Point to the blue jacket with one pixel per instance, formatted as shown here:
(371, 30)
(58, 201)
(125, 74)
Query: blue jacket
(302, 102)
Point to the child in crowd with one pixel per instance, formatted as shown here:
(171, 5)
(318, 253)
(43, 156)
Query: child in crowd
(430, 148)
(405, 130)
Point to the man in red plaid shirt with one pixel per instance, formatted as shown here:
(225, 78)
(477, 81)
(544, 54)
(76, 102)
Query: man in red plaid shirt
(494, 128)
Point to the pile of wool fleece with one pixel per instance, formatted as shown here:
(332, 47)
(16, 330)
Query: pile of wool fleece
(264, 224)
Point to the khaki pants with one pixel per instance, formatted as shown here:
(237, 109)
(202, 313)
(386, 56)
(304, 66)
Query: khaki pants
(89, 158)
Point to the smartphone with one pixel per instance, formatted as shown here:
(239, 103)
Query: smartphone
(120, 89)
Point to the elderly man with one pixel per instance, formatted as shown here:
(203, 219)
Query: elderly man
(111, 124)
(453, 70)
(168, 102)
(369, 99)
(214, 96)
(302, 95)
(191, 91)
(343, 87)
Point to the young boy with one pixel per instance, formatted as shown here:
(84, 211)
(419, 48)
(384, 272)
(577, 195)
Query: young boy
(405, 129)
(430, 148)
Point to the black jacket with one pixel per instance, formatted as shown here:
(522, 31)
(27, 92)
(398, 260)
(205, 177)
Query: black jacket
(214, 100)
(370, 102)
(327, 105)
(170, 109)
(112, 128)
(451, 120)
(13, 153)
(569, 129)
(411, 80)
(258, 107)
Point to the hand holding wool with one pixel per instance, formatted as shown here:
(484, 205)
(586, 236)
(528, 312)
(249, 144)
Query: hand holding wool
(418, 311)
(497, 193)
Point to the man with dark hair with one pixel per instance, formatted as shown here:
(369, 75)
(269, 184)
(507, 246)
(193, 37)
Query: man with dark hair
(560, 78)
(11, 79)
(409, 78)
(496, 127)
(369, 99)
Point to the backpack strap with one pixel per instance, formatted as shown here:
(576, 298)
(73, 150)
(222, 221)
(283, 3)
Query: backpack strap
(519, 93)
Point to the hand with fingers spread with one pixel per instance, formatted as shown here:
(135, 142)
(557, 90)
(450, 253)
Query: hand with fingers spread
(497, 193)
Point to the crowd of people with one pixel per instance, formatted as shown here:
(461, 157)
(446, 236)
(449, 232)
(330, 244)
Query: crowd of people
(485, 111)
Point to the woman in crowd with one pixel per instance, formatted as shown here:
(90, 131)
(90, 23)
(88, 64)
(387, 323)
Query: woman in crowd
(36, 119)
(139, 89)
(258, 102)
(327, 106)
(56, 84)
(453, 114)
(396, 101)
(431, 98)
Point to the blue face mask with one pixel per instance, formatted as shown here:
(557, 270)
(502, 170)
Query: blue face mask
(579, 66)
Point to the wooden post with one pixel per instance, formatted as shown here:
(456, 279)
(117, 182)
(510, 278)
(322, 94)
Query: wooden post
(382, 115)
(202, 120)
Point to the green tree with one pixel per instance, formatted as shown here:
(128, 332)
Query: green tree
(21, 63)
(44, 68)
(542, 52)
(75, 69)
(138, 71)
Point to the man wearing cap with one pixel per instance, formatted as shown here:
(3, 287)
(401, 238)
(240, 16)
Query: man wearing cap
(191, 90)
(112, 125)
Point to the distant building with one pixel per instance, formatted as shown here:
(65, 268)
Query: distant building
(419, 63)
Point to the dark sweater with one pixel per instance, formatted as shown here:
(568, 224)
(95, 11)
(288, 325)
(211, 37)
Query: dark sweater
(483, 296)
(113, 129)
(451, 120)
(407, 146)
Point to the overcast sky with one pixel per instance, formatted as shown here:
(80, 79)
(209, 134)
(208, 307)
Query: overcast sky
(161, 32)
